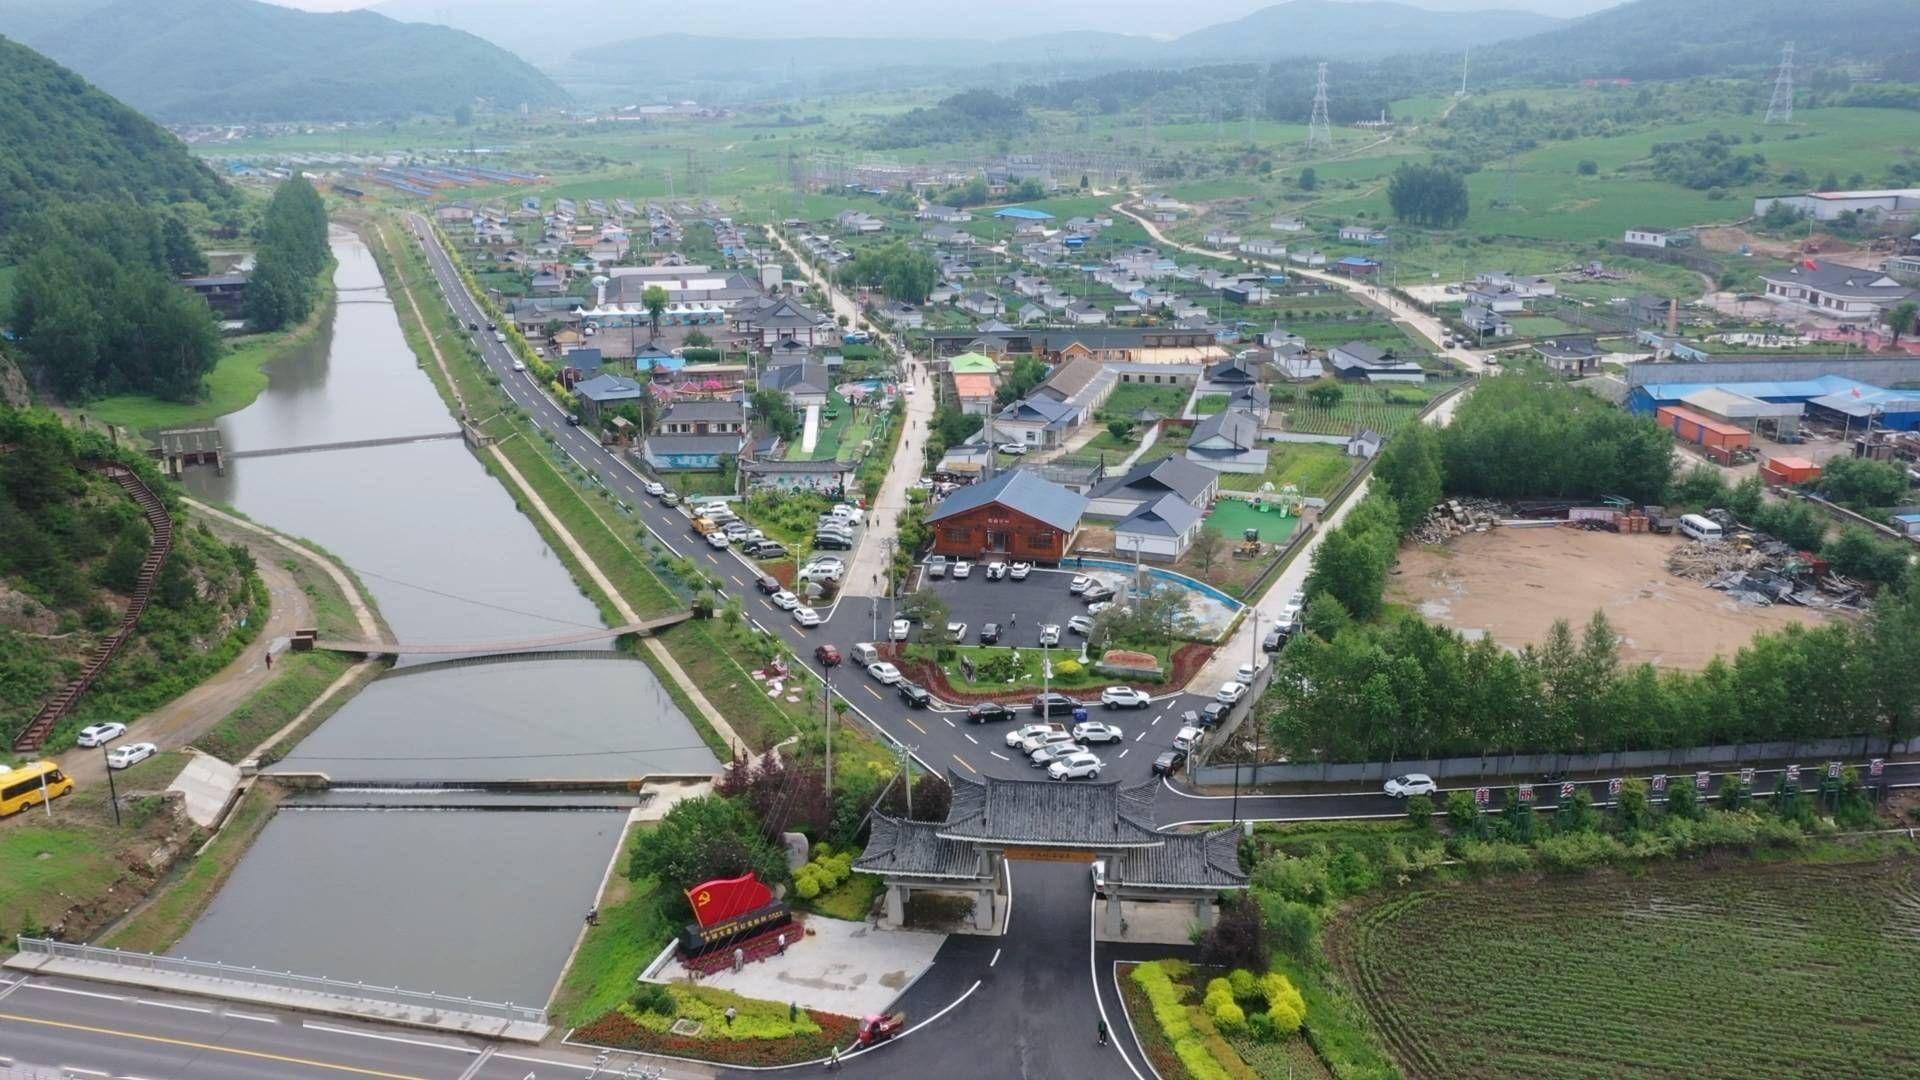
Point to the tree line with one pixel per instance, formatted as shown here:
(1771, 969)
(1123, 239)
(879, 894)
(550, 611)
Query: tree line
(290, 253)
(96, 309)
(1430, 195)
(905, 274)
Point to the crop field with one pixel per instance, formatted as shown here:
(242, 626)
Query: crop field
(1748, 970)
(1385, 410)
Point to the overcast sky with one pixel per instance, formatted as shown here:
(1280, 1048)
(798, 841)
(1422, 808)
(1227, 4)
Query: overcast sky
(1164, 15)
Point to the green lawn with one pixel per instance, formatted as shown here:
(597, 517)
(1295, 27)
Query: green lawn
(45, 866)
(839, 437)
(631, 932)
(1316, 469)
(1232, 517)
(1129, 398)
(1208, 404)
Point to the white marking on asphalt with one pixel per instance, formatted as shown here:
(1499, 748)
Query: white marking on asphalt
(999, 755)
(77, 993)
(949, 722)
(1123, 753)
(971, 739)
(250, 1016)
(172, 1005)
(64, 1069)
(1140, 736)
(330, 1029)
(996, 958)
(1156, 721)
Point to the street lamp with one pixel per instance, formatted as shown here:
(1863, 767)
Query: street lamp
(113, 790)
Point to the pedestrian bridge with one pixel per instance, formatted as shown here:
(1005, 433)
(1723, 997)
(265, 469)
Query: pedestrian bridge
(309, 640)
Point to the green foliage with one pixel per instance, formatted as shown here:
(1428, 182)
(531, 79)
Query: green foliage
(1420, 811)
(1682, 801)
(653, 998)
(1326, 393)
(1286, 1008)
(1410, 466)
(1027, 372)
(1165, 996)
(1859, 483)
(973, 114)
(1795, 523)
(771, 407)
(1858, 553)
(702, 839)
(206, 60)
(1525, 435)
(1707, 162)
(1351, 563)
(707, 1006)
(1430, 195)
(291, 251)
(904, 273)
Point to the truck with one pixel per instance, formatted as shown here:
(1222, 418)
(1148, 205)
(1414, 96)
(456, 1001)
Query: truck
(704, 525)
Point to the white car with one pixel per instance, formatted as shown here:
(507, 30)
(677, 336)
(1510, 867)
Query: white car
(1013, 449)
(996, 570)
(1124, 697)
(1049, 634)
(1245, 673)
(1075, 767)
(806, 616)
(1415, 783)
(1026, 731)
(884, 673)
(937, 566)
(130, 754)
(1033, 744)
(100, 734)
(1098, 606)
(1019, 571)
(1095, 731)
(717, 540)
(822, 571)
(956, 632)
(962, 568)
(1231, 693)
(784, 600)
(1081, 625)
(1188, 737)
(518, 365)
(1079, 584)
(655, 488)
(900, 629)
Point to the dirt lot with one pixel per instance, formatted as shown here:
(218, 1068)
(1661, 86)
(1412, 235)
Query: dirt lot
(1513, 583)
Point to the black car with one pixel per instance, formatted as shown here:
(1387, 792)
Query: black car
(988, 712)
(1276, 639)
(573, 419)
(475, 327)
(830, 542)
(989, 633)
(1169, 762)
(915, 695)
(768, 584)
(1054, 705)
(1213, 714)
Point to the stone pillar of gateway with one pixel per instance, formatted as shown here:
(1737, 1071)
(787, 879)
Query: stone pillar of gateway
(991, 819)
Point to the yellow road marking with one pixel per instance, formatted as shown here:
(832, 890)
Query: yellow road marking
(963, 763)
(261, 1054)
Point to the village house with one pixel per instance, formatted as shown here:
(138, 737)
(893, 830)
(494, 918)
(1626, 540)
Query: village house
(1016, 515)
(1148, 482)
(697, 436)
(603, 390)
(1570, 356)
(1228, 441)
(1357, 360)
(1648, 236)
(806, 384)
(1845, 293)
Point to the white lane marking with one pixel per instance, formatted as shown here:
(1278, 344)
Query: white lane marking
(249, 1016)
(971, 739)
(504, 1056)
(1123, 753)
(949, 722)
(172, 1005)
(1140, 736)
(64, 1069)
(429, 1044)
(999, 755)
(996, 958)
(77, 993)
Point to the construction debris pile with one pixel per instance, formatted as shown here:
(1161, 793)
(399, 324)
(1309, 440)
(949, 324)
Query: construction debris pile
(1754, 568)
(1456, 517)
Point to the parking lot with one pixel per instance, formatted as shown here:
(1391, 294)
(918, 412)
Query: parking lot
(1020, 607)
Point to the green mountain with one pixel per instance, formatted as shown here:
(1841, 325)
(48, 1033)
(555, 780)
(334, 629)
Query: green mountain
(63, 141)
(1334, 29)
(239, 60)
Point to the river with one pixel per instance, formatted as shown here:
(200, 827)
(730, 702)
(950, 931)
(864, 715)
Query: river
(425, 898)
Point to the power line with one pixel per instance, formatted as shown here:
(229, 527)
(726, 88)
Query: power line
(477, 603)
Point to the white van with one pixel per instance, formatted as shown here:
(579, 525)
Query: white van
(852, 515)
(1700, 528)
(865, 653)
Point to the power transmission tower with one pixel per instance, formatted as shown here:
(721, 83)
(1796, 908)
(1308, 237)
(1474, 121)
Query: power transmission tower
(1464, 58)
(1253, 98)
(1319, 131)
(1780, 109)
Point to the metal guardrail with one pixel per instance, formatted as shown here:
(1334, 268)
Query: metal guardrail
(283, 980)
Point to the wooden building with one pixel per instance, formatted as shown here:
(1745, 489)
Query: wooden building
(1015, 515)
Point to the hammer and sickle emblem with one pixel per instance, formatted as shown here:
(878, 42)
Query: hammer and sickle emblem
(704, 898)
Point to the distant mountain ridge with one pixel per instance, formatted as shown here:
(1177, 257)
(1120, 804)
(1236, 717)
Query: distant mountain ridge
(241, 60)
(62, 140)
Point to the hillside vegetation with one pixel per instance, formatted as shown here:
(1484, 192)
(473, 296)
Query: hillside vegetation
(71, 544)
(63, 140)
(241, 60)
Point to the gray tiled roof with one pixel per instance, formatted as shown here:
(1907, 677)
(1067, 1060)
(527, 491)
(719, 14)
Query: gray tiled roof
(916, 849)
(686, 411)
(1166, 516)
(1049, 812)
(806, 377)
(1239, 428)
(1208, 860)
(1021, 491)
(1184, 478)
(694, 444)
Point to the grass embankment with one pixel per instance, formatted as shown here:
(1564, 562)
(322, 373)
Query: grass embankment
(631, 932)
(167, 916)
(236, 379)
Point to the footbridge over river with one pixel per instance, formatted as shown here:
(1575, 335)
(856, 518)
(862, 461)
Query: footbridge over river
(309, 640)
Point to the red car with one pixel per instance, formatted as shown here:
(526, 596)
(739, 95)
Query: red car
(827, 655)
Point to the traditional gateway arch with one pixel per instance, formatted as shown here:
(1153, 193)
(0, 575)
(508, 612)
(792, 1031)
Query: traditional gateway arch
(993, 819)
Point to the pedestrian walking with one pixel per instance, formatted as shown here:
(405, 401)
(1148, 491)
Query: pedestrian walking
(1102, 1028)
(1013, 618)
(833, 1060)
(269, 659)
(732, 1012)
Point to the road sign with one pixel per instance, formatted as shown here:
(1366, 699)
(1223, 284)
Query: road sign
(1526, 793)
(1566, 790)
(1613, 787)
(1701, 779)
(1876, 767)
(1482, 796)
(1833, 770)
(1746, 775)
(1793, 774)
(1659, 783)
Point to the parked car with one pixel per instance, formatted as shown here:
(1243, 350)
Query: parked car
(937, 566)
(1096, 591)
(1026, 731)
(764, 549)
(1080, 583)
(1187, 738)
(1401, 787)
(1093, 731)
(827, 569)
(827, 541)
(1080, 624)
(1047, 751)
(1019, 571)
(884, 673)
(1054, 704)
(1013, 449)
(1098, 606)
(1169, 762)
(988, 712)
(1230, 692)
(131, 754)
(1099, 877)
(1213, 713)
(1076, 766)
(573, 419)
(962, 568)
(718, 540)
(1245, 673)
(784, 600)
(806, 616)
(989, 633)
(767, 584)
(827, 655)
(996, 570)
(1276, 639)
(1124, 697)
(915, 695)
(1049, 634)
(900, 629)
(100, 734)
(654, 488)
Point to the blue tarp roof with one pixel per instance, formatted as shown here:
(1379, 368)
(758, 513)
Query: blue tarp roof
(1024, 213)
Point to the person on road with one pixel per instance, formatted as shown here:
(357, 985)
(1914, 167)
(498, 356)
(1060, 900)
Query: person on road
(1013, 618)
(833, 1060)
(1101, 1027)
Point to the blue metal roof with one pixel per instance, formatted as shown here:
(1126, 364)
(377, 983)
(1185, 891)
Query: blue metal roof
(1023, 213)
(1802, 389)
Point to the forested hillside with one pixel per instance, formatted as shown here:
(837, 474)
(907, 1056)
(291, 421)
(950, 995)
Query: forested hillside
(62, 140)
(71, 544)
(243, 60)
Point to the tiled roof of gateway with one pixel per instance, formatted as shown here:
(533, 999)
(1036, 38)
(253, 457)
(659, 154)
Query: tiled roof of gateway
(916, 849)
(1208, 860)
(1095, 814)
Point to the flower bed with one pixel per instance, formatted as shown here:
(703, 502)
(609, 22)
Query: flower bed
(1187, 659)
(760, 1033)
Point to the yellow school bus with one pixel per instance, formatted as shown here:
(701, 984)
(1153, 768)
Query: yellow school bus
(29, 785)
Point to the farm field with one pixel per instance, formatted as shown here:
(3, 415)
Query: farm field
(1384, 409)
(1784, 969)
(1316, 469)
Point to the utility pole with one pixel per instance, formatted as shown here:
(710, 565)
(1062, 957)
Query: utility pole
(826, 710)
(906, 774)
(113, 790)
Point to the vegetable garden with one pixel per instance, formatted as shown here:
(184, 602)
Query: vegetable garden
(1385, 409)
(1757, 969)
